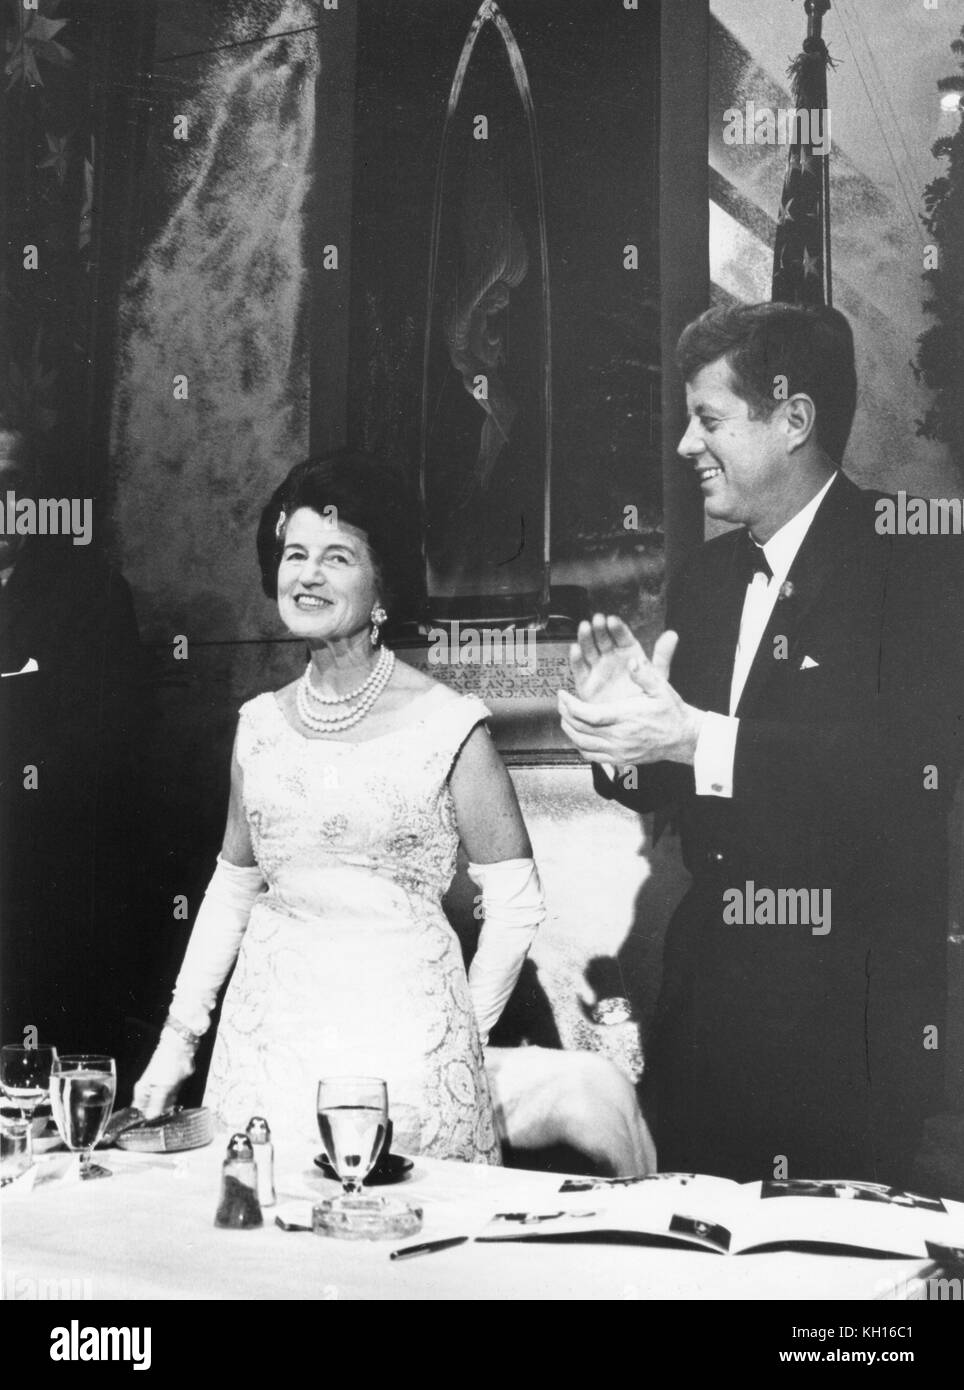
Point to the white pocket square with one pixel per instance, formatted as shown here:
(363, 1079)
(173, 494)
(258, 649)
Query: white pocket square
(26, 669)
(808, 663)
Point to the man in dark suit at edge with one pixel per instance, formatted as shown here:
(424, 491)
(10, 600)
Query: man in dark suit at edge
(72, 952)
(810, 738)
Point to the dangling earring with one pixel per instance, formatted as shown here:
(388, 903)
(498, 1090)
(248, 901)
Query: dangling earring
(379, 616)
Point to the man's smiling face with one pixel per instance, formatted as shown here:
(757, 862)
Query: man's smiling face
(743, 465)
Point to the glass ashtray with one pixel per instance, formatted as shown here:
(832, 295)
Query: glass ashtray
(365, 1218)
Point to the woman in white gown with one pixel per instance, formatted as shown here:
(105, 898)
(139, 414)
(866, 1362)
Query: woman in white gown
(351, 790)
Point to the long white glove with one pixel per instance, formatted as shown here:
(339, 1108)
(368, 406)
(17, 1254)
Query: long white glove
(514, 908)
(211, 952)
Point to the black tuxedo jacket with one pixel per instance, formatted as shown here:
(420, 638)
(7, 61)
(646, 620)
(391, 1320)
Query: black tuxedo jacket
(776, 1046)
(67, 836)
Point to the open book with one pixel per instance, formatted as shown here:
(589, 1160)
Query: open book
(714, 1214)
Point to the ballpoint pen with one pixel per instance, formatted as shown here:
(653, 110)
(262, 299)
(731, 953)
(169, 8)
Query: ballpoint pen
(428, 1247)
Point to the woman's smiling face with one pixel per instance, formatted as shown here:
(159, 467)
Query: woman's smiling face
(327, 580)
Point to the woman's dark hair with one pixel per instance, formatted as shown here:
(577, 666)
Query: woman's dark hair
(372, 495)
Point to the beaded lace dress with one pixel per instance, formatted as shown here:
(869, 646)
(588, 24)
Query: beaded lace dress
(349, 965)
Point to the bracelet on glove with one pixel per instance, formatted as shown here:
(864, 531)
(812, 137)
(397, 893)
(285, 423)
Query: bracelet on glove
(184, 1032)
(609, 1012)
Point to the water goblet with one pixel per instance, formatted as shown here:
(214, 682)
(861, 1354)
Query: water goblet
(353, 1122)
(25, 1079)
(15, 1156)
(82, 1088)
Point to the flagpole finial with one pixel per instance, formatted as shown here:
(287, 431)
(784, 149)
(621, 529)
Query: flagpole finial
(816, 9)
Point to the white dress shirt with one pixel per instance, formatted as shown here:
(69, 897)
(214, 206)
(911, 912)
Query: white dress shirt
(716, 746)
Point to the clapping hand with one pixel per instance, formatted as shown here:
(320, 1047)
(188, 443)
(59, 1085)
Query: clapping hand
(625, 711)
(601, 661)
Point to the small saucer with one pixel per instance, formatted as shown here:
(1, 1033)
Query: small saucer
(390, 1168)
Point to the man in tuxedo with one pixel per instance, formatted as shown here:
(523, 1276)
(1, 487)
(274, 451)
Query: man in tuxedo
(69, 658)
(809, 736)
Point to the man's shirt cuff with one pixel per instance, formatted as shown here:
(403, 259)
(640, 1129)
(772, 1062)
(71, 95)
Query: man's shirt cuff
(715, 755)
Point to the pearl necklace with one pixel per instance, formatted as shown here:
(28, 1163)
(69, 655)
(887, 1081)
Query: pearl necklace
(375, 672)
(332, 724)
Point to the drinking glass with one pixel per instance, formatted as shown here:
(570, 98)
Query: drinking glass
(15, 1156)
(353, 1119)
(82, 1088)
(353, 1122)
(25, 1079)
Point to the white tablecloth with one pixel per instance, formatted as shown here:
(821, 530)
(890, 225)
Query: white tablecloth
(148, 1232)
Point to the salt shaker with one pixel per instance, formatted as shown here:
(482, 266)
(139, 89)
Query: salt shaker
(259, 1132)
(239, 1208)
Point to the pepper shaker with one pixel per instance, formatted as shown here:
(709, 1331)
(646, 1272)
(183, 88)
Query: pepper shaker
(239, 1208)
(259, 1132)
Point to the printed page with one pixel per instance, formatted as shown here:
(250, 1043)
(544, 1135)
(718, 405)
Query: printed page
(868, 1216)
(690, 1208)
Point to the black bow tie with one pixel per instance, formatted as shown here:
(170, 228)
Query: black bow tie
(752, 559)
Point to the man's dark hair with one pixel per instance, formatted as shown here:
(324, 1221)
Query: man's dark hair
(367, 493)
(813, 348)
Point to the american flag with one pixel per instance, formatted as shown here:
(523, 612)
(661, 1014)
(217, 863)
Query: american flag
(801, 250)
